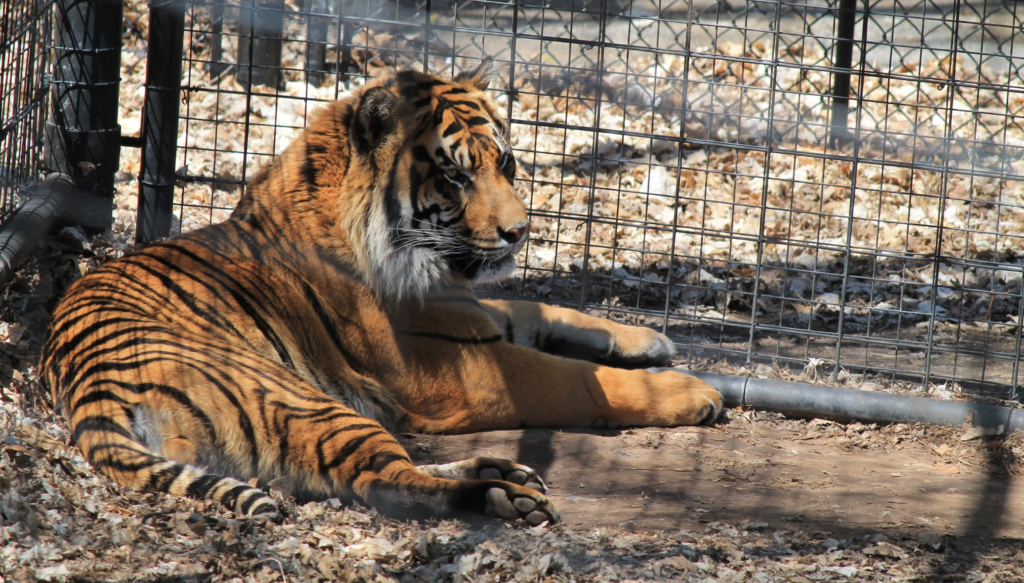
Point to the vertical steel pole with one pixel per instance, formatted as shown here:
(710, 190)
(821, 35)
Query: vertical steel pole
(217, 65)
(316, 41)
(83, 139)
(851, 208)
(160, 119)
(843, 63)
(263, 26)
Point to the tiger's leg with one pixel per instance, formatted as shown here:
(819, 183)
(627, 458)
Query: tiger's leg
(256, 418)
(498, 385)
(570, 333)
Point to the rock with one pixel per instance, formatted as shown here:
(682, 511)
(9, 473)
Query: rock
(978, 432)
(932, 541)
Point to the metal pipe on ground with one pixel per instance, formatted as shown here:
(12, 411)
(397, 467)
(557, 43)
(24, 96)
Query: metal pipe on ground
(804, 400)
(32, 221)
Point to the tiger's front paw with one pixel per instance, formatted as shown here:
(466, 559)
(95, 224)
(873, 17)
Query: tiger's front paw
(659, 399)
(640, 346)
(687, 400)
(512, 502)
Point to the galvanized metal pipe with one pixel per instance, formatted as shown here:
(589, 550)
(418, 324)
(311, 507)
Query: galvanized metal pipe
(805, 400)
(32, 221)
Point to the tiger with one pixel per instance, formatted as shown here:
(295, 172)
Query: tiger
(334, 308)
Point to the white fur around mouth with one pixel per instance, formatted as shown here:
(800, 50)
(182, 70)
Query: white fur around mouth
(497, 271)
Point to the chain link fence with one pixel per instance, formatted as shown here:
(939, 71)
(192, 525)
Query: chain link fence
(798, 183)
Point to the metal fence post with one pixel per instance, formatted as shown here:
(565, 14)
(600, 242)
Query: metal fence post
(217, 65)
(316, 42)
(261, 27)
(160, 119)
(843, 63)
(82, 135)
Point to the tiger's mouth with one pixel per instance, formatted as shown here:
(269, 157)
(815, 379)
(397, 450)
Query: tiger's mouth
(486, 266)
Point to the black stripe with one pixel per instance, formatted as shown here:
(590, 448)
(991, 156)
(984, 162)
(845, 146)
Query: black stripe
(253, 497)
(99, 423)
(143, 452)
(233, 287)
(120, 466)
(161, 481)
(350, 448)
(321, 441)
(332, 328)
(230, 498)
(458, 339)
(509, 334)
(454, 127)
(95, 397)
(201, 486)
(381, 461)
(309, 173)
(83, 359)
(264, 508)
(392, 204)
(420, 153)
(182, 399)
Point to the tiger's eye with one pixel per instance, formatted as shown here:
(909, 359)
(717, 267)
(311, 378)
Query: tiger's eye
(508, 166)
(452, 173)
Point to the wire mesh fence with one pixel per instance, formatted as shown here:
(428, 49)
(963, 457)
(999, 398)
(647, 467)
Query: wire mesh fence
(794, 182)
(25, 37)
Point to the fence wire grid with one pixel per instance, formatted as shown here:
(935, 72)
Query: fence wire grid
(25, 38)
(686, 164)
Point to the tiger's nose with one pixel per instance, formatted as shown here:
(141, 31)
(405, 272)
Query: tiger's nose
(515, 234)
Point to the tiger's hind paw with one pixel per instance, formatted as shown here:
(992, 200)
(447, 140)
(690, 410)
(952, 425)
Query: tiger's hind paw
(488, 468)
(509, 471)
(512, 502)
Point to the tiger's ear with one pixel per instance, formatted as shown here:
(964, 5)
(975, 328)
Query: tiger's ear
(375, 119)
(481, 77)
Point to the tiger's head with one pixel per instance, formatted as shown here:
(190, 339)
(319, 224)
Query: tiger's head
(409, 179)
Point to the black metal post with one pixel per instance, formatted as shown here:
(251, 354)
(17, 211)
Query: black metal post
(82, 134)
(217, 65)
(316, 41)
(160, 119)
(843, 63)
(262, 25)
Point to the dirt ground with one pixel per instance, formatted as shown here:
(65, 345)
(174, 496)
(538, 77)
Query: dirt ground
(763, 469)
(757, 497)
